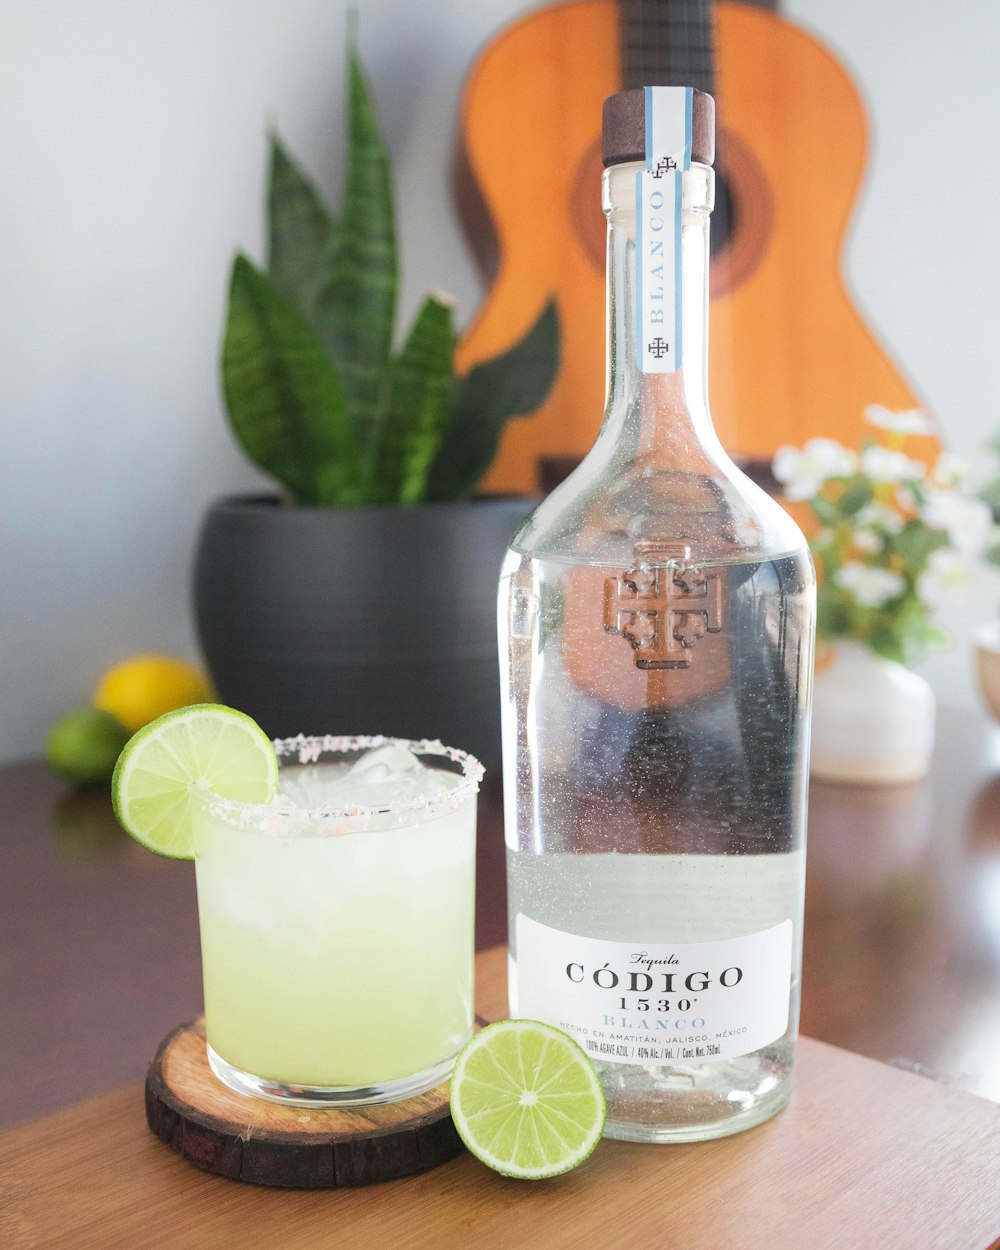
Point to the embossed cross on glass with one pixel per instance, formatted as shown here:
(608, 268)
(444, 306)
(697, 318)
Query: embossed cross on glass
(662, 607)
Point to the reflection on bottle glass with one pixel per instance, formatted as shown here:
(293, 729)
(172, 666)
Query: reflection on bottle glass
(657, 619)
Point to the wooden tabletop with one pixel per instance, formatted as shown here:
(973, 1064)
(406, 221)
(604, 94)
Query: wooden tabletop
(865, 1157)
(99, 939)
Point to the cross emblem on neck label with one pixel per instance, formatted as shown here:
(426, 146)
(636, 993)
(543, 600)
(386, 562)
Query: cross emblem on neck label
(658, 347)
(661, 608)
(663, 166)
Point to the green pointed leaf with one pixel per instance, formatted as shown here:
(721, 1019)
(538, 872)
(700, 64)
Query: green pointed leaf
(833, 612)
(358, 302)
(513, 384)
(934, 636)
(918, 491)
(857, 493)
(827, 513)
(990, 494)
(915, 542)
(419, 407)
(299, 233)
(283, 397)
(887, 640)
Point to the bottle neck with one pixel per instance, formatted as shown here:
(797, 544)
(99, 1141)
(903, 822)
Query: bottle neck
(660, 415)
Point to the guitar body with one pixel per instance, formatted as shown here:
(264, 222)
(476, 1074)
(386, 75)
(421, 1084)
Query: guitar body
(790, 358)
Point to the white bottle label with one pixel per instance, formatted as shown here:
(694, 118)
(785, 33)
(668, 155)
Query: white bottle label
(658, 197)
(676, 1003)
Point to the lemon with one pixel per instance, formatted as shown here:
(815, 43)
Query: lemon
(82, 746)
(168, 763)
(145, 687)
(526, 1100)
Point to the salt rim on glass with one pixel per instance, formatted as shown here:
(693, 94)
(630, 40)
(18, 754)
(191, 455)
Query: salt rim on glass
(281, 817)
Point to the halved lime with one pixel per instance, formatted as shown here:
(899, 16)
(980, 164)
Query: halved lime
(206, 747)
(526, 1100)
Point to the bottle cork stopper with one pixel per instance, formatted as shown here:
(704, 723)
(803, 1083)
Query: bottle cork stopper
(623, 133)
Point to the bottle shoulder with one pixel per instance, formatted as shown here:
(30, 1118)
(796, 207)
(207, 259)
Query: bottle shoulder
(607, 515)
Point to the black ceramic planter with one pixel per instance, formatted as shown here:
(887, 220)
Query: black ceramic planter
(367, 620)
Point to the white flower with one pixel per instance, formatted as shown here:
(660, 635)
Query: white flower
(948, 572)
(967, 522)
(912, 421)
(878, 516)
(803, 471)
(882, 464)
(950, 472)
(870, 587)
(867, 541)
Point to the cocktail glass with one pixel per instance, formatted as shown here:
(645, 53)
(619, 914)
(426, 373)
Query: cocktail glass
(336, 934)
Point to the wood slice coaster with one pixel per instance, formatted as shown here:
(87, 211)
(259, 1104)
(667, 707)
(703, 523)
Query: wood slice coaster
(265, 1143)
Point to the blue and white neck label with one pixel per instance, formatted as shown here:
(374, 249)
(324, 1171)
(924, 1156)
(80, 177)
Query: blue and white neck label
(658, 201)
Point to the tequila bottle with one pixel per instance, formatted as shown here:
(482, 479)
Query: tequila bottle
(656, 618)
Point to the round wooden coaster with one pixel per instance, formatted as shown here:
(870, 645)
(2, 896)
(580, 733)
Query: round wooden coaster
(264, 1143)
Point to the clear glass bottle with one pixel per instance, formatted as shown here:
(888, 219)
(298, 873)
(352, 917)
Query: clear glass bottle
(656, 618)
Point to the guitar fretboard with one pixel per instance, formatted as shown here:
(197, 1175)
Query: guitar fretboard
(667, 41)
(670, 42)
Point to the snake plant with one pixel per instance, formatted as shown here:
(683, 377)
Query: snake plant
(317, 393)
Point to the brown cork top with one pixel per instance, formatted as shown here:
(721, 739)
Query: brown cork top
(623, 134)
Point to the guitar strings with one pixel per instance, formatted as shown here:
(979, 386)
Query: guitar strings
(669, 41)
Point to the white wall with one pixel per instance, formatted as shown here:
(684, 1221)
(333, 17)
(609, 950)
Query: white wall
(132, 156)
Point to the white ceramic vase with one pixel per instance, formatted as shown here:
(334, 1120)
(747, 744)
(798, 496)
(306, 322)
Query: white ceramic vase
(873, 720)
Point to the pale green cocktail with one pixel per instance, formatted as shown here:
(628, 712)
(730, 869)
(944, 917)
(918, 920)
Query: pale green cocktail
(337, 924)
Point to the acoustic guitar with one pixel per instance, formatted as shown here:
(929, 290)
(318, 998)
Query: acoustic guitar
(791, 358)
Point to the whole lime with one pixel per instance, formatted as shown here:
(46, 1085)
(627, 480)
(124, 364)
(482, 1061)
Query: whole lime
(84, 746)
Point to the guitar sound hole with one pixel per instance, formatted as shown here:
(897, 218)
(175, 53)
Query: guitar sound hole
(724, 215)
(741, 221)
